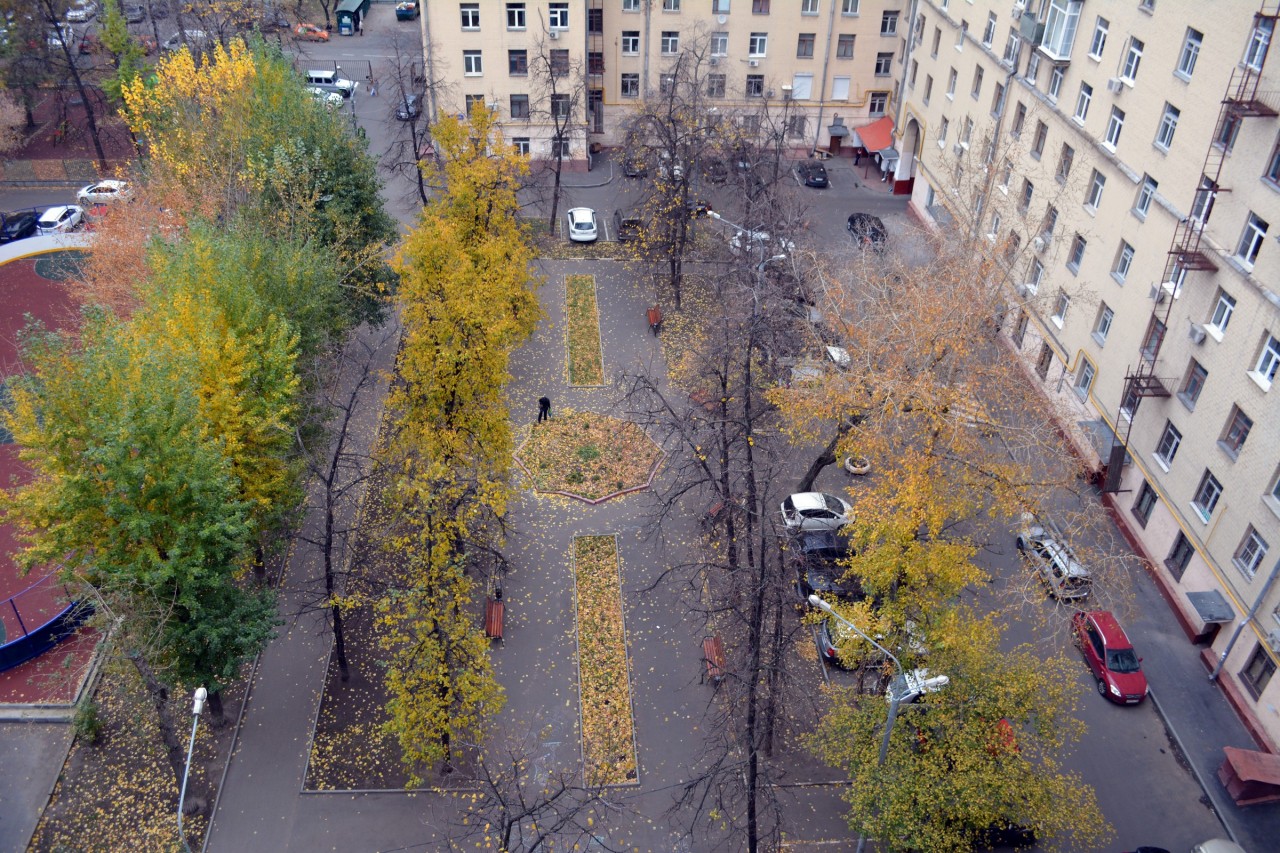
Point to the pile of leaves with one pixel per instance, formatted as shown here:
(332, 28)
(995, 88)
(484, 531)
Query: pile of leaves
(587, 455)
(608, 731)
(582, 317)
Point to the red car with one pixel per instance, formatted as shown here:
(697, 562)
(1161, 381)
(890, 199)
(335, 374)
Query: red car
(1110, 655)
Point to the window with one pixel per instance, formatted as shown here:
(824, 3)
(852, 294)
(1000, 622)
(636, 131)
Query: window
(997, 100)
(666, 83)
(470, 16)
(674, 5)
(720, 7)
(844, 46)
(1103, 326)
(1060, 307)
(1099, 38)
(1170, 441)
(928, 88)
(518, 63)
(1190, 53)
(989, 32)
(560, 106)
(804, 45)
(1042, 136)
(558, 16)
(1078, 245)
(1065, 159)
(1144, 504)
(631, 5)
(1084, 378)
(631, 43)
(1082, 103)
(884, 64)
(670, 42)
(1033, 69)
(1055, 83)
(521, 145)
(520, 104)
(1115, 124)
(889, 24)
(515, 16)
(1207, 494)
(1193, 384)
(1094, 198)
(1019, 119)
(758, 44)
(1006, 174)
(878, 103)
(967, 134)
(1180, 556)
(1011, 49)
(1132, 58)
(798, 126)
(1060, 25)
(1035, 274)
(1050, 221)
(1255, 231)
(1145, 193)
(559, 63)
(473, 101)
(1151, 343)
(1268, 360)
(759, 7)
(755, 85)
(808, 7)
(1019, 330)
(961, 33)
(719, 44)
(849, 7)
(951, 83)
(1124, 260)
(1256, 53)
(472, 65)
(1028, 190)
(561, 147)
(1228, 129)
(1044, 361)
(1168, 125)
(716, 85)
(937, 40)
(1222, 311)
(943, 126)
(1235, 432)
(911, 78)
(630, 85)
(1258, 671)
(977, 82)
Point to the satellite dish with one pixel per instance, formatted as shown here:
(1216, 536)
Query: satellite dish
(723, 18)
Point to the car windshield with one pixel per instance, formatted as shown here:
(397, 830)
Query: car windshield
(833, 504)
(1122, 660)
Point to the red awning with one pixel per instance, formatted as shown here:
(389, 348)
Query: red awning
(878, 135)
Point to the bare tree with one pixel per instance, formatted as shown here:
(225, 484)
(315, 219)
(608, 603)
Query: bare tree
(63, 51)
(558, 95)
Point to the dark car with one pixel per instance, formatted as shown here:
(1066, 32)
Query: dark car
(815, 556)
(159, 9)
(717, 171)
(635, 166)
(811, 173)
(133, 13)
(19, 225)
(1110, 656)
(410, 107)
(698, 207)
(867, 230)
(627, 228)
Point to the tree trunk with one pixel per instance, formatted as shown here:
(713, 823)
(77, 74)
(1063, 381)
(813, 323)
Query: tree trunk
(217, 716)
(159, 694)
(90, 120)
(825, 458)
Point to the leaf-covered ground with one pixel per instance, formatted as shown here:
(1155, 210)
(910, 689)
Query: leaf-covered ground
(587, 455)
(586, 362)
(608, 730)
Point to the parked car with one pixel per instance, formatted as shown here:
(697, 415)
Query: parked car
(18, 225)
(274, 18)
(811, 173)
(635, 166)
(716, 171)
(90, 43)
(1217, 845)
(627, 228)
(159, 9)
(104, 191)
(816, 557)
(756, 241)
(698, 207)
(407, 11)
(815, 511)
(867, 230)
(1043, 545)
(195, 38)
(332, 100)
(833, 633)
(310, 32)
(409, 108)
(82, 12)
(910, 686)
(60, 219)
(62, 33)
(133, 13)
(1110, 656)
(582, 224)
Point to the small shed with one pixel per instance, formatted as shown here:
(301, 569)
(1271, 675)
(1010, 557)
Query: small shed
(1250, 777)
(349, 14)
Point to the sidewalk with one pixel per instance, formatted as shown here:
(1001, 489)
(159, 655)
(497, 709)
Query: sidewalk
(47, 173)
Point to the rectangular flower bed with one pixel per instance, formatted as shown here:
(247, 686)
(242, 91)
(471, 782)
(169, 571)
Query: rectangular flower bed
(586, 362)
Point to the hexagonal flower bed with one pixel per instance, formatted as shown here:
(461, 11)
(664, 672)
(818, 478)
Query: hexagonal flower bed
(588, 456)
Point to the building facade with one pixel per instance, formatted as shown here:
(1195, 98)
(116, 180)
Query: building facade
(1124, 159)
(837, 62)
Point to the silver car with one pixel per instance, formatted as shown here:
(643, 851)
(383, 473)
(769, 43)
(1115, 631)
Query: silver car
(815, 511)
(1043, 545)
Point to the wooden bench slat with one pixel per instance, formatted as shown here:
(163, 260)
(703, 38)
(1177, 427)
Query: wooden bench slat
(494, 613)
(713, 657)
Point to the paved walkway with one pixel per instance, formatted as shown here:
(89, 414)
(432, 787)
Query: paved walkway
(48, 173)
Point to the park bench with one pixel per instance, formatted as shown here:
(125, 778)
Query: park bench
(713, 659)
(494, 613)
(654, 315)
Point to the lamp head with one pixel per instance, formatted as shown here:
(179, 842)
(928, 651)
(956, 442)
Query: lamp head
(819, 603)
(197, 705)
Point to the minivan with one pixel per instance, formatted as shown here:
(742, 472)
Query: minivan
(331, 81)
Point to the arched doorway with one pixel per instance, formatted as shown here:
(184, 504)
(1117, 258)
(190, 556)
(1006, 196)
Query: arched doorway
(904, 176)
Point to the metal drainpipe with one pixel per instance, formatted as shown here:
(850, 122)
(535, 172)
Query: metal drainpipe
(428, 64)
(1235, 635)
(822, 88)
(902, 91)
(644, 62)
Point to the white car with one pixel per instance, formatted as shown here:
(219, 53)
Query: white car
(82, 12)
(60, 220)
(196, 38)
(582, 224)
(62, 34)
(815, 511)
(103, 191)
(332, 100)
(755, 241)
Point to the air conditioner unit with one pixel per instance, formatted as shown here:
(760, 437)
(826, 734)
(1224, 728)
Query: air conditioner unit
(1157, 294)
(957, 149)
(1196, 333)
(714, 61)
(1024, 290)
(753, 63)
(553, 35)
(1016, 14)
(1039, 243)
(1115, 84)
(1273, 639)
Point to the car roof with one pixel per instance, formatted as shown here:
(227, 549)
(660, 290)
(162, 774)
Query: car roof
(55, 212)
(1073, 567)
(581, 212)
(1112, 634)
(809, 500)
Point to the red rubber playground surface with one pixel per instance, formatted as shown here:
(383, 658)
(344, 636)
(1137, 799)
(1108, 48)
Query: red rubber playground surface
(31, 601)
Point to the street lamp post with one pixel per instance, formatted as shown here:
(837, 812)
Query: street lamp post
(197, 707)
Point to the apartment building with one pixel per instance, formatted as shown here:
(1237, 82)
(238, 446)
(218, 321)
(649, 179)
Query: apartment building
(1123, 158)
(836, 62)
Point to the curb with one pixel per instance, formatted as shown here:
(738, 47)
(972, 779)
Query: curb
(1218, 809)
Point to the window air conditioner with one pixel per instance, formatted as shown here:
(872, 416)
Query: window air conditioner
(1039, 243)
(1196, 333)
(753, 63)
(1273, 639)
(1157, 294)
(1115, 84)
(714, 61)
(957, 149)
(1024, 290)
(553, 35)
